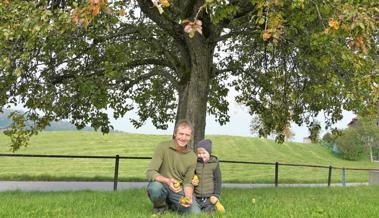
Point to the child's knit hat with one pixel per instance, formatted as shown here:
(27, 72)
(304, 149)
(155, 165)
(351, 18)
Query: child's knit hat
(206, 144)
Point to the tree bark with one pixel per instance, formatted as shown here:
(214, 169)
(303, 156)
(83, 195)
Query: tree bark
(194, 91)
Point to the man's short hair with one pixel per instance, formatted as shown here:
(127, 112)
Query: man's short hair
(184, 123)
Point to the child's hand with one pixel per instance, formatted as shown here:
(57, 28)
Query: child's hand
(213, 199)
(195, 180)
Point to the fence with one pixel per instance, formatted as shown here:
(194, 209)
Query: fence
(117, 160)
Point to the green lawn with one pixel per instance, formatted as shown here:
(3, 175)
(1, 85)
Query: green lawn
(124, 144)
(359, 202)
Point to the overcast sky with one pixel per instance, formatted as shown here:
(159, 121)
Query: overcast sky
(239, 124)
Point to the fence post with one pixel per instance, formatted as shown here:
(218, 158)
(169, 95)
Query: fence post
(330, 176)
(115, 179)
(276, 174)
(343, 176)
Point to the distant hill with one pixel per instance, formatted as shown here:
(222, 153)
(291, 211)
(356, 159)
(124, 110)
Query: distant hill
(54, 126)
(4, 121)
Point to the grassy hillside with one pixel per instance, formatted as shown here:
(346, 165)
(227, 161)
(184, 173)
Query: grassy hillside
(124, 144)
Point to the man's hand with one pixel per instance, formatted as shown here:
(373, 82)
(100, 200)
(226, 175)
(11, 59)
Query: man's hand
(174, 185)
(186, 201)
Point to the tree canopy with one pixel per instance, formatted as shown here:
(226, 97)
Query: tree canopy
(176, 59)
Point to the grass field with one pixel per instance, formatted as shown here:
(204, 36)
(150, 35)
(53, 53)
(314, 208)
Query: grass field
(124, 144)
(352, 202)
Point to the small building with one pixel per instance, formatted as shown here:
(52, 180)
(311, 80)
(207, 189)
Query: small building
(307, 140)
(353, 123)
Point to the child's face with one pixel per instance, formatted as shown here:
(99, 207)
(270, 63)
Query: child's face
(203, 154)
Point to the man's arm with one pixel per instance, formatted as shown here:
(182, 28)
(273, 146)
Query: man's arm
(153, 173)
(187, 181)
(188, 191)
(156, 161)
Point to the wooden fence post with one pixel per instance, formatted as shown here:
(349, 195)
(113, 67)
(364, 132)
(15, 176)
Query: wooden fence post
(330, 176)
(276, 174)
(343, 176)
(115, 179)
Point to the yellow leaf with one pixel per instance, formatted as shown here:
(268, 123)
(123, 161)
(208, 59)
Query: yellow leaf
(122, 12)
(165, 3)
(267, 34)
(334, 24)
(85, 22)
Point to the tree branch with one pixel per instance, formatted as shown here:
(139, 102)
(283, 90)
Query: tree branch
(245, 7)
(163, 21)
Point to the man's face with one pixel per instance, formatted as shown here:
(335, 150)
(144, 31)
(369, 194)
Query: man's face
(183, 135)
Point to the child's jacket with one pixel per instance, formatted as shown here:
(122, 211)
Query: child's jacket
(209, 178)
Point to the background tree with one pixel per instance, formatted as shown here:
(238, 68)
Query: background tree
(314, 131)
(368, 132)
(350, 145)
(289, 60)
(288, 133)
(329, 138)
(256, 124)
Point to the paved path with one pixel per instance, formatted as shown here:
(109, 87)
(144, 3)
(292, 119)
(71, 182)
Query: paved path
(108, 186)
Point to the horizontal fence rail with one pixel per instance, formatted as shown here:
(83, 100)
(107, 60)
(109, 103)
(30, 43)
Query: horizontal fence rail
(71, 156)
(275, 164)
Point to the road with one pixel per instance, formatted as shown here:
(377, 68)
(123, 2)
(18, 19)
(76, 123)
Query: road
(49, 186)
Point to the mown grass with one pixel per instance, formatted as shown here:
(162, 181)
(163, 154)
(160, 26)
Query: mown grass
(359, 202)
(139, 145)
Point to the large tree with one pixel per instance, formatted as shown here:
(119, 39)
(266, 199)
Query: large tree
(169, 60)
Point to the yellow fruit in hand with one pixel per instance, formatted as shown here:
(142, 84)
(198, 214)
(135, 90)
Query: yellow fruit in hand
(219, 207)
(176, 184)
(195, 180)
(184, 200)
(213, 200)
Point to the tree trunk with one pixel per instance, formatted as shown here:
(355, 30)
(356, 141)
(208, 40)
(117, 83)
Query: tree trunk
(193, 94)
(370, 150)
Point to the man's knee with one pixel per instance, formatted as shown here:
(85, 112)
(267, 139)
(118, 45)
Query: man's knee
(155, 190)
(195, 208)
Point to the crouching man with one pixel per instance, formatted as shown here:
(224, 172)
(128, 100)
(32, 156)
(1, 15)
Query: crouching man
(170, 173)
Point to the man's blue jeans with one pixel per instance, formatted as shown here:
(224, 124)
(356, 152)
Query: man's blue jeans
(160, 194)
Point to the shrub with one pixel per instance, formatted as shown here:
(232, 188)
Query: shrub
(329, 138)
(350, 145)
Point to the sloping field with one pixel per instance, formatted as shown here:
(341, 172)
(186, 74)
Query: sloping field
(139, 145)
